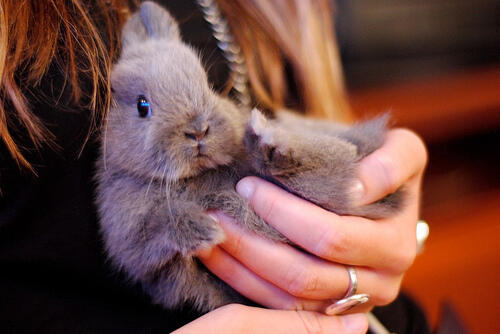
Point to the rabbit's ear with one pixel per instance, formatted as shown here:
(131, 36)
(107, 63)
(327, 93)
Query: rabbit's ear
(151, 21)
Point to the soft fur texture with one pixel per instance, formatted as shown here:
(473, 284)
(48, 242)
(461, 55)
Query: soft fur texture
(317, 160)
(157, 176)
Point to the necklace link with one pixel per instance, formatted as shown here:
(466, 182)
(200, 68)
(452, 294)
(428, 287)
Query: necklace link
(231, 51)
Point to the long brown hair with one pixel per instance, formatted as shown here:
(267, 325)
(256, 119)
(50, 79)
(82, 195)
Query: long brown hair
(33, 34)
(300, 33)
(272, 34)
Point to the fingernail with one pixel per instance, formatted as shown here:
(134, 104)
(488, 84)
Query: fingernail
(245, 188)
(357, 191)
(354, 323)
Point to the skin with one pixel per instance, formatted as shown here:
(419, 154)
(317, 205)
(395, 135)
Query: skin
(242, 319)
(279, 276)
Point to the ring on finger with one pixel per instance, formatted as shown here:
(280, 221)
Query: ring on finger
(350, 299)
(353, 282)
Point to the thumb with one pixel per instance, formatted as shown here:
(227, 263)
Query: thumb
(237, 318)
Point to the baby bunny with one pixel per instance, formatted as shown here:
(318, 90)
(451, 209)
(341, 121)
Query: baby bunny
(172, 149)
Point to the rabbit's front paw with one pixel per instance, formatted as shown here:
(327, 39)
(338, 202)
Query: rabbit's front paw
(270, 148)
(199, 231)
(317, 167)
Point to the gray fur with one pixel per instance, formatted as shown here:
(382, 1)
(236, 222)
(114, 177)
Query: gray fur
(156, 182)
(153, 187)
(317, 160)
(150, 22)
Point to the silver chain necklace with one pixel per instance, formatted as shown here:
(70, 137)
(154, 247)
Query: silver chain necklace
(230, 50)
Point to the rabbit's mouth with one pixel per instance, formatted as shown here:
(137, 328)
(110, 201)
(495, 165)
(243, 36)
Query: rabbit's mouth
(205, 161)
(202, 156)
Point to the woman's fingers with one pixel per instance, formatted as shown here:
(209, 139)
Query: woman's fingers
(344, 239)
(280, 276)
(402, 156)
(256, 267)
(298, 273)
(252, 286)
(236, 318)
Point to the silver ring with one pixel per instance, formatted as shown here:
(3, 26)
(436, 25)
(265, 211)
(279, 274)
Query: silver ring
(345, 304)
(353, 282)
(350, 299)
(422, 235)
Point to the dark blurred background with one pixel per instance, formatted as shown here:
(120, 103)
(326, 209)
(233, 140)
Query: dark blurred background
(436, 66)
(389, 40)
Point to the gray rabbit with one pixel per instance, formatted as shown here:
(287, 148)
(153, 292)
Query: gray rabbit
(173, 149)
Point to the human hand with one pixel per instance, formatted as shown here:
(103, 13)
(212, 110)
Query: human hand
(237, 318)
(282, 277)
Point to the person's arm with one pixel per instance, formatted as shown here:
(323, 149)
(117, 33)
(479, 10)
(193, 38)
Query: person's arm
(244, 319)
(282, 277)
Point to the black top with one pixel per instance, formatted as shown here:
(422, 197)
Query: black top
(53, 274)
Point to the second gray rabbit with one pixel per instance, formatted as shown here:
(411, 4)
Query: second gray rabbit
(173, 149)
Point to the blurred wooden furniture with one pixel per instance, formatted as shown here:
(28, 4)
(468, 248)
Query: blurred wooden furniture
(438, 108)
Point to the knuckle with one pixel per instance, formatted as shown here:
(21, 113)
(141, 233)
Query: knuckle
(310, 322)
(403, 259)
(332, 245)
(419, 149)
(407, 257)
(387, 295)
(300, 281)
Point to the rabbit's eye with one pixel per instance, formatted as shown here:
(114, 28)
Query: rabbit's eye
(143, 107)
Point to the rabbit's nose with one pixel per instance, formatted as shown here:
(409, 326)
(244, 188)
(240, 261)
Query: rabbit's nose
(197, 134)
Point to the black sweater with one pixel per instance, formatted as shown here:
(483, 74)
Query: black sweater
(54, 277)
